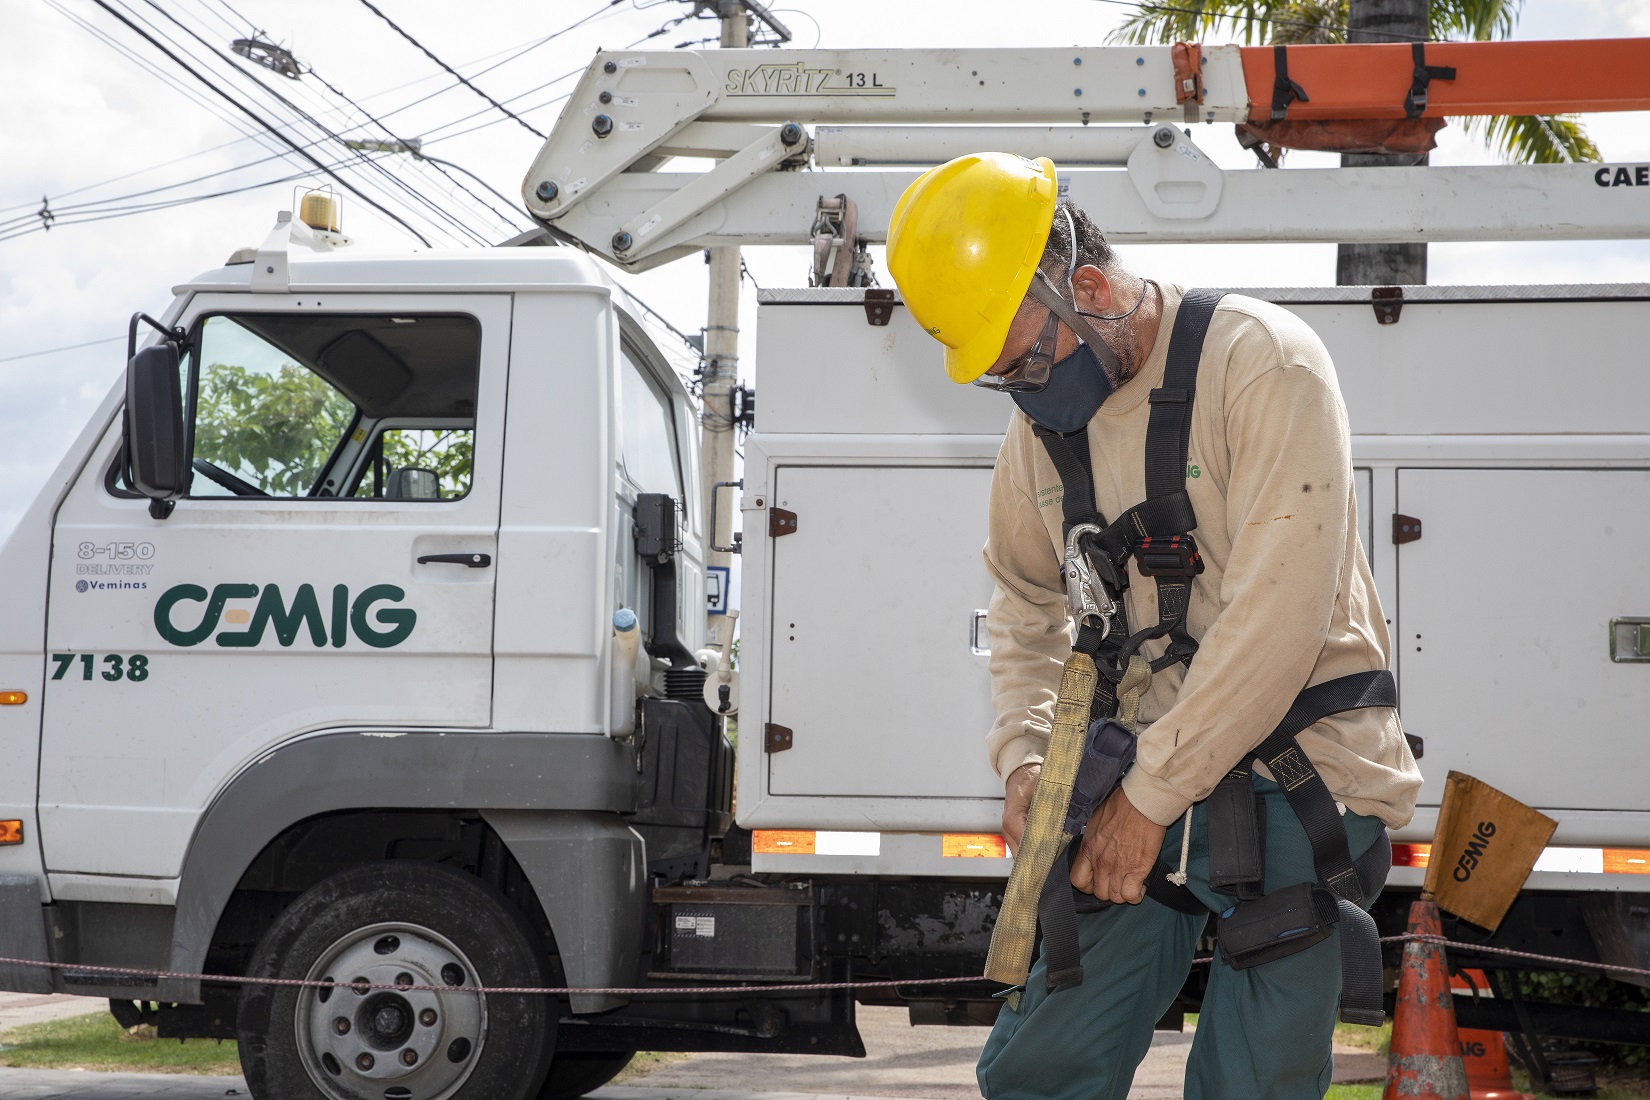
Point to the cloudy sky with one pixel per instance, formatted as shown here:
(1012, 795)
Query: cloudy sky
(91, 114)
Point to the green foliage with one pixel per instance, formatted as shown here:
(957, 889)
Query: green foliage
(1594, 991)
(274, 430)
(1537, 139)
(1251, 22)
(97, 1042)
(1377, 1039)
(1542, 139)
(450, 452)
(1353, 1092)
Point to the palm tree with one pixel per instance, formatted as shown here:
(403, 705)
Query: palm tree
(1532, 139)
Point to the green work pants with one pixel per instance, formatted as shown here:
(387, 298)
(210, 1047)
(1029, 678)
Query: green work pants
(1262, 1033)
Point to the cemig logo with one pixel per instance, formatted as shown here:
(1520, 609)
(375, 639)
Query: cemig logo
(1474, 851)
(377, 626)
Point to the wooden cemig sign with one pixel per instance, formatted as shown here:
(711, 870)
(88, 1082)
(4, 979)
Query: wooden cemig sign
(1483, 850)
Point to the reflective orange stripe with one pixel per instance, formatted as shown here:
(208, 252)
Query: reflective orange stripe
(1616, 861)
(973, 846)
(1411, 855)
(783, 842)
(1627, 861)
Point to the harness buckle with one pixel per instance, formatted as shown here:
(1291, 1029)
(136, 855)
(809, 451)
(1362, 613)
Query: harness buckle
(1168, 556)
(1086, 598)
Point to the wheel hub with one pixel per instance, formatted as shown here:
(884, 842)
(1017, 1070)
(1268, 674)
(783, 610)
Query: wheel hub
(402, 1042)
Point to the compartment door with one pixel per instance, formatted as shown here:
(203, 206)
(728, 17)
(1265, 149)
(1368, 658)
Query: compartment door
(1503, 638)
(873, 599)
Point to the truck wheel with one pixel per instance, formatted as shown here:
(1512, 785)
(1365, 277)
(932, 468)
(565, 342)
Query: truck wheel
(400, 924)
(572, 1075)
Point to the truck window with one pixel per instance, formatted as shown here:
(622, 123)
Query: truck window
(444, 454)
(261, 416)
(647, 424)
(335, 405)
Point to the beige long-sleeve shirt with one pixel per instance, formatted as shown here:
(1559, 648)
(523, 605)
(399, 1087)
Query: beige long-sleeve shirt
(1286, 599)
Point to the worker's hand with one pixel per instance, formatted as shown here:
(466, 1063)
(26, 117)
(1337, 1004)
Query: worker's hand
(1119, 848)
(1018, 788)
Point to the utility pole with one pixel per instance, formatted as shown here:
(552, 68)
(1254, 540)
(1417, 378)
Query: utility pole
(718, 431)
(1384, 21)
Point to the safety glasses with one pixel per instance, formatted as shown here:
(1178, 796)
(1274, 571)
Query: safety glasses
(1030, 372)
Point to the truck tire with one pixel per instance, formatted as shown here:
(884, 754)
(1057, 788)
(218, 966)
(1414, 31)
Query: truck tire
(574, 1074)
(404, 924)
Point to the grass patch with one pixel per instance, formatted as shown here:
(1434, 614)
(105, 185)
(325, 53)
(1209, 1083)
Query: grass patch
(1353, 1092)
(1375, 1039)
(98, 1042)
(646, 1062)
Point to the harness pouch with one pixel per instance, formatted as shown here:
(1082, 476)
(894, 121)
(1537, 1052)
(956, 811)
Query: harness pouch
(1237, 838)
(1108, 752)
(1276, 926)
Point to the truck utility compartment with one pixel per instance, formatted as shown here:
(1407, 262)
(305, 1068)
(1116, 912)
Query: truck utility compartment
(1481, 413)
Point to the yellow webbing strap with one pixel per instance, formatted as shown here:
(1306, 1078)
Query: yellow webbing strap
(1045, 837)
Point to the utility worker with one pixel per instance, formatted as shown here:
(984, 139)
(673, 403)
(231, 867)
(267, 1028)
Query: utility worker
(1028, 298)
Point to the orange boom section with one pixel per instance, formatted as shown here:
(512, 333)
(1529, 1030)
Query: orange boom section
(1490, 78)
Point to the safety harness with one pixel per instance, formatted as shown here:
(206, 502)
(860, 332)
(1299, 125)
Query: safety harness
(1092, 744)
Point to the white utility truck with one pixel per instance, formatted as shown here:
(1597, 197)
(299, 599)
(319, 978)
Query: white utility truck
(358, 638)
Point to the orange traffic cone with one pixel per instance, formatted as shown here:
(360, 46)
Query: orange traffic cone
(1484, 1053)
(1424, 1062)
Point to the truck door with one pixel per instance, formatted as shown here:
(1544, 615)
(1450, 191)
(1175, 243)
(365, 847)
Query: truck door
(1504, 631)
(331, 567)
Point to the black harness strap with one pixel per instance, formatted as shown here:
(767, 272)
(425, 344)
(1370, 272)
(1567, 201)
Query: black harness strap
(1416, 101)
(1070, 455)
(1160, 529)
(1284, 90)
(1305, 789)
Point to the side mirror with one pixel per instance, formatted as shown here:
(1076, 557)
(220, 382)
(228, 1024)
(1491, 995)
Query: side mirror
(155, 446)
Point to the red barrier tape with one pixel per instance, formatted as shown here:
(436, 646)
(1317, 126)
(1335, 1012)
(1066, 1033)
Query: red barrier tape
(801, 987)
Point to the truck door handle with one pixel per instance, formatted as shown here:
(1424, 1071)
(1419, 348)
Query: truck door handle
(474, 561)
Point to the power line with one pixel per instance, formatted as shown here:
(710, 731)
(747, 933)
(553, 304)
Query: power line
(122, 206)
(504, 56)
(430, 134)
(441, 214)
(86, 216)
(819, 32)
(606, 8)
(261, 121)
(191, 94)
(54, 351)
(368, 4)
(438, 163)
(433, 207)
(171, 82)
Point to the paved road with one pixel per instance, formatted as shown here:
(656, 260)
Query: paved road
(17, 1009)
(901, 1063)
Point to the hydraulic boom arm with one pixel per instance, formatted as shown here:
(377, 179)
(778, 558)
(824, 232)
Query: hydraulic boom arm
(877, 115)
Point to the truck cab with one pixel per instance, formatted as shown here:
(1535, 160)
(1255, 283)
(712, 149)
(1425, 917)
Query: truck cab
(413, 503)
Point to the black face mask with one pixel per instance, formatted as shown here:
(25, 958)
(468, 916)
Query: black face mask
(1077, 387)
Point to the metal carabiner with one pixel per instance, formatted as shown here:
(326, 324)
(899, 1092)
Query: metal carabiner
(1085, 598)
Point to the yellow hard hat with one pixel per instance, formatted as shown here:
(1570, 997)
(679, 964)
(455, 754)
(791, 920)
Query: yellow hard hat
(963, 244)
